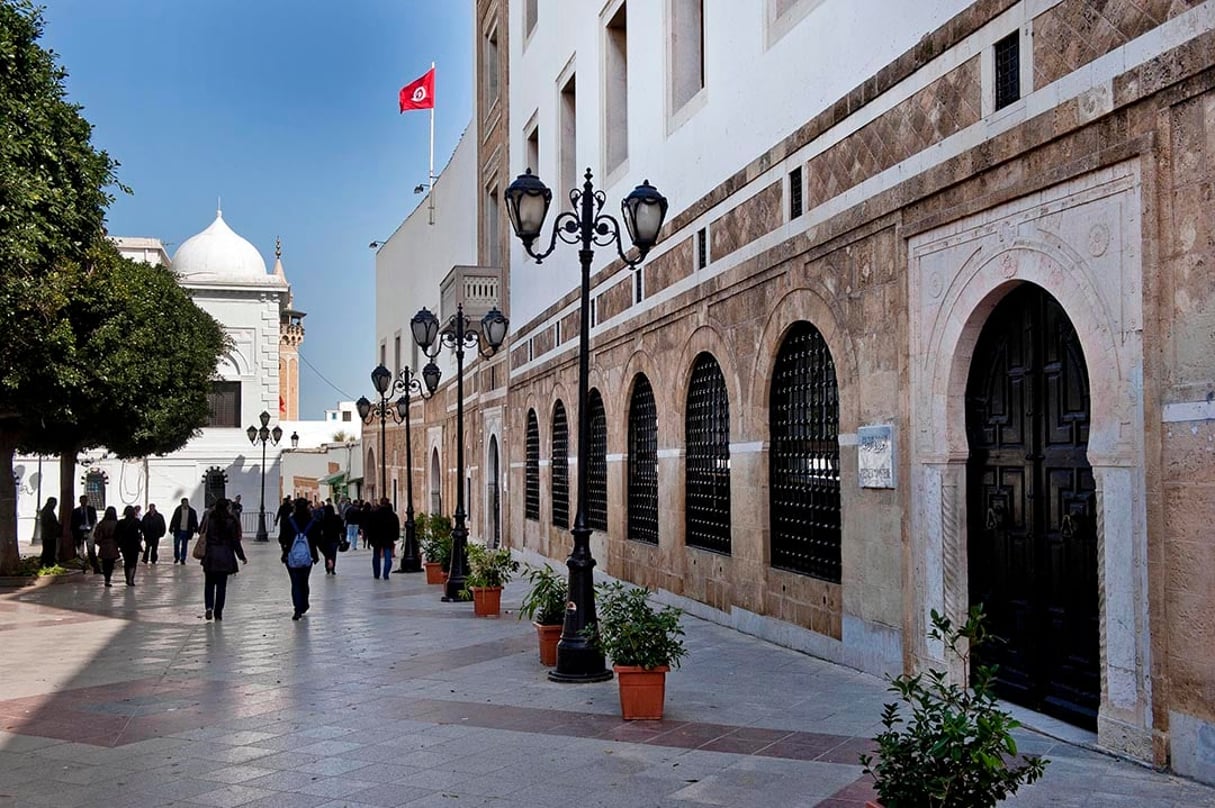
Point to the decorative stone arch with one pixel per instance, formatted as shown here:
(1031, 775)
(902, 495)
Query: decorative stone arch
(797, 306)
(639, 362)
(708, 339)
(1080, 242)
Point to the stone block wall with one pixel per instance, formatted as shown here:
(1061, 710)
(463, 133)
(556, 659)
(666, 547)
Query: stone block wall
(928, 162)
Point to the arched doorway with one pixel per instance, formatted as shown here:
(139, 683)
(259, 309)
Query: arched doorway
(436, 484)
(370, 475)
(491, 493)
(1031, 506)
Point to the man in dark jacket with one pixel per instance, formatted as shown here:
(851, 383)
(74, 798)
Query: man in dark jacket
(385, 529)
(84, 519)
(153, 530)
(283, 520)
(183, 524)
(49, 524)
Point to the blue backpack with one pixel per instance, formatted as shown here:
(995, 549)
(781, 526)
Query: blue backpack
(300, 554)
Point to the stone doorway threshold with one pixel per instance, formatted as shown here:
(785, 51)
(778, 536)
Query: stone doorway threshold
(1052, 727)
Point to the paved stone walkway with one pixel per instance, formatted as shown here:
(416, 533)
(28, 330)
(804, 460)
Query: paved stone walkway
(384, 696)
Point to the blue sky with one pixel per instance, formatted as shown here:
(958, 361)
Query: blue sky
(288, 110)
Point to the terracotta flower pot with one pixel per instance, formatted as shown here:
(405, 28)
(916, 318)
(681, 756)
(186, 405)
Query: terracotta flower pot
(487, 600)
(549, 636)
(434, 572)
(642, 692)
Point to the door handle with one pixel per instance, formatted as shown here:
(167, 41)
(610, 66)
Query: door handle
(1068, 527)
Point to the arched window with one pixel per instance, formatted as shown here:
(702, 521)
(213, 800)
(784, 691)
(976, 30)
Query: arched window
(215, 485)
(531, 498)
(596, 470)
(643, 463)
(707, 458)
(94, 488)
(561, 468)
(804, 457)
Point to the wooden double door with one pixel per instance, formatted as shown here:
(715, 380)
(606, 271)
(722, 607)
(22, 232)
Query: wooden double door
(1032, 537)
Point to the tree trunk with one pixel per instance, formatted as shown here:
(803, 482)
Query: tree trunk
(67, 502)
(10, 551)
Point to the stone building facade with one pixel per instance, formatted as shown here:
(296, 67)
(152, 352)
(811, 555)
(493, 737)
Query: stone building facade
(947, 340)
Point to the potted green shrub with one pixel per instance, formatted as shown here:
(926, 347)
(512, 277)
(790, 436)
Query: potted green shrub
(435, 541)
(643, 643)
(488, 571)
(544, 604)
(956, 749)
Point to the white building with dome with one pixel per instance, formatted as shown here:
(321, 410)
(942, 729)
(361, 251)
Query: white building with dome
(227, 277)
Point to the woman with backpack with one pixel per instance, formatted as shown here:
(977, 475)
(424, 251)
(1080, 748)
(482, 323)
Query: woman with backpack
(299, 553)
(220, 550)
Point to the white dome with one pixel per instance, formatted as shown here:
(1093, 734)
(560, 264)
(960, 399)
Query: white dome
(219, 254)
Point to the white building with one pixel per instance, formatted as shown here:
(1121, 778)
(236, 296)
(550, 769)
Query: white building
(227, 277)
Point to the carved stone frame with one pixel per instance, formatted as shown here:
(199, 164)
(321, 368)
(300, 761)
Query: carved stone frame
(1080, 241)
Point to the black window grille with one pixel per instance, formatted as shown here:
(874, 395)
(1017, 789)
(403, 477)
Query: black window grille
(224, 402)
(702, 248)
(94, 489)
(804, 457)
(596, 470)
(795, 193)
(707, 458)
(531, 497)
(561, 468)
(1008, 70)
(643, 463)
(215, 486)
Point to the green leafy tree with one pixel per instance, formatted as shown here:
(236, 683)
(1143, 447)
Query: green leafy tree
(99, 350)
(144, 359)
(53, 196)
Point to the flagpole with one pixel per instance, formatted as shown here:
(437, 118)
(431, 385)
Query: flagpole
(431, 191)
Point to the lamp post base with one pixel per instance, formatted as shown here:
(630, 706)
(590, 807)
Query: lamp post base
(411, 561)
(579, 678)
(262, 535)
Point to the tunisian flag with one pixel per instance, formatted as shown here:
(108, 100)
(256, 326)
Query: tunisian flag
(419, 93)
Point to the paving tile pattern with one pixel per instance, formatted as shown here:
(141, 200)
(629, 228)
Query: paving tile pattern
(384, 696)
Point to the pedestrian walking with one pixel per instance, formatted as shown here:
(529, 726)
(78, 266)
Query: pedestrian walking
(183, 524)
(385, 530)
(153, 531)
(129, 534)
(237, 508)
(48, 520)
(106, 539)
(84, 520)
(351, 517)
(223, 548)
(300, 553)
(280, 519)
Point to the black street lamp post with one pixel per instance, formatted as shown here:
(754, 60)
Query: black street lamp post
(643, 210)
(263, 435)
(457, 335)
(385, 385)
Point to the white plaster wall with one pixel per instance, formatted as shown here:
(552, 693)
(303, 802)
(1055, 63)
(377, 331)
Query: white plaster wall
(755, 95)
(250, 315)
(251, 319)
(412, 263)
